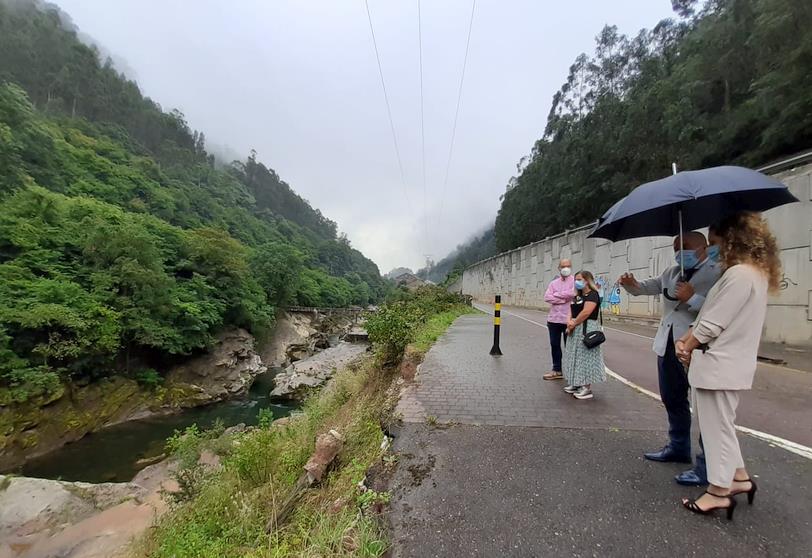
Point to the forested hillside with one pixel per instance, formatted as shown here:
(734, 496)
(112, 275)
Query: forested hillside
(728, 84)
(478, 248)
(121, 242)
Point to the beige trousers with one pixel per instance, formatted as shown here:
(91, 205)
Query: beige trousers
(716, 410)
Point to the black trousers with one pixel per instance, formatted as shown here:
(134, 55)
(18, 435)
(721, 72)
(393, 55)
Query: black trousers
(674, 391)
(557, 332)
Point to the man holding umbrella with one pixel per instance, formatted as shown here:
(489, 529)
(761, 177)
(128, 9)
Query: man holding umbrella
(683, 293)
(685, 201)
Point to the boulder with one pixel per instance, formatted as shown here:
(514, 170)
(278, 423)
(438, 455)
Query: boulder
(227, 370)
(29, 506)
(302, 376)
(291, 329)
(327, 448)
(299, 351)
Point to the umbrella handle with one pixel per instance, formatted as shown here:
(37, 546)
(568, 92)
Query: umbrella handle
(668, 296)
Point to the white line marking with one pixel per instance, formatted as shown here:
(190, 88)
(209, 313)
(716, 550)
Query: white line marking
(788, 445)
(628, 333)
(631, 384)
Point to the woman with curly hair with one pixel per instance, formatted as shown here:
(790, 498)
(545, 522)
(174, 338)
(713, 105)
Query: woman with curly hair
(721, 348)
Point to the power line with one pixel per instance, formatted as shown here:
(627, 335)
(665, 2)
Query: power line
(422, 121)
(388, 109)
(457, 112)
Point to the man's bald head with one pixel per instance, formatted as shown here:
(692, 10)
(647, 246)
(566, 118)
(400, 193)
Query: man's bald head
(693, 240)
(564, 263)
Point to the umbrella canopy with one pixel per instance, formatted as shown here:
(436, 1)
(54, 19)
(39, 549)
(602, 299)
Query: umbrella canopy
(696, 198)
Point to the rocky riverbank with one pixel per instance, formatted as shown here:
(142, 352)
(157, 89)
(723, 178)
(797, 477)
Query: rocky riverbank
(46, 518)
(227, 371)
(40, 517)
(303, 376)
(38, 427)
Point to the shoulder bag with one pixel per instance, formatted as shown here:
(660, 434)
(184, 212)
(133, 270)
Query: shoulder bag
(594, 338)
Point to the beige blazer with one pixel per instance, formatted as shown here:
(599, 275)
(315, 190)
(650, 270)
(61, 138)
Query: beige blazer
(730, 324)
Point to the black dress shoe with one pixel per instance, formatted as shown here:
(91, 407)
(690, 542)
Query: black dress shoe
(690, 478)
(668, 455)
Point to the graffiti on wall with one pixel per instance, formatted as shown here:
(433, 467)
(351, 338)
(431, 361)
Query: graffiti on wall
(609, 293)
(786, 282)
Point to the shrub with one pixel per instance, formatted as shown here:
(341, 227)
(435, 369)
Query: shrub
(392, 327)
(149, 378)
(265, 417)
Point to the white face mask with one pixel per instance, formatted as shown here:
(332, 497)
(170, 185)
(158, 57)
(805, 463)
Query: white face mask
(566, 271)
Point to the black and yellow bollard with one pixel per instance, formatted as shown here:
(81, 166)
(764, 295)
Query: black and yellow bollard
(497, 322)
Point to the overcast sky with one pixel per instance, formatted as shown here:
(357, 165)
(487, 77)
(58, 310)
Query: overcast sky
(297, 80)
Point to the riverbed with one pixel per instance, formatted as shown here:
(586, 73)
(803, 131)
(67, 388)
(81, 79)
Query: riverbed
(111, 454)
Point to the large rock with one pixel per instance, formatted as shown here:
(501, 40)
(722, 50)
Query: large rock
(304, 375)
(327, 448)
(227, 370)
(36, 513)
(292, 329)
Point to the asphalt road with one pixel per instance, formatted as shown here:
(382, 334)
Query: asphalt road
(489, 491)
(494, 461)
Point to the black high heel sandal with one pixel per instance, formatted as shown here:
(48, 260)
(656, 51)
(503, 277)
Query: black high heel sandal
(751, 494)
(691, 505)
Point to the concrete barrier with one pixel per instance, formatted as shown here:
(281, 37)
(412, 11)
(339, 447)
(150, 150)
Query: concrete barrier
(521, 275)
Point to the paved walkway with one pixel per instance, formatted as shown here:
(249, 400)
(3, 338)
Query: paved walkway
(525, 470)
(459, 382)
(777, 405)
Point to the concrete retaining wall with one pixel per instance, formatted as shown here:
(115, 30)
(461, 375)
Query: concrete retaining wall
(521, 275)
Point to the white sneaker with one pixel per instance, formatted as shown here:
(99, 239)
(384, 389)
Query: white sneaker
(583, 392)
(571, 389)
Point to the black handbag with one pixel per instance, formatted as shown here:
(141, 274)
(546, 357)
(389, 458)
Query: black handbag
(594, 338)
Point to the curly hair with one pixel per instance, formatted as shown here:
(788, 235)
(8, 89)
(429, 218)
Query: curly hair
(747, 239)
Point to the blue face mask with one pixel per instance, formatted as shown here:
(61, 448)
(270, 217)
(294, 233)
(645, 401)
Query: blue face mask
(687, 258)
(713, 252)
(579, 284)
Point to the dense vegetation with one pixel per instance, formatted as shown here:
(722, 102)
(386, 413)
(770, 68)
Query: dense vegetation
(226, 511)
(395, 324)
(122, 243)
(728, 84)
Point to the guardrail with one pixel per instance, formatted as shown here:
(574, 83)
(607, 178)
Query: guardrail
(788, 163)
(311, 309)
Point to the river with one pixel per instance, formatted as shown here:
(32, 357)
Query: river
(110, 455)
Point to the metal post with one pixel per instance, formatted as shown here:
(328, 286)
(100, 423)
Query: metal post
(497, 322)
(681, 239)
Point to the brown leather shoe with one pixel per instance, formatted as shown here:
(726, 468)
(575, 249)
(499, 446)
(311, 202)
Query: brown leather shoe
(553, 376)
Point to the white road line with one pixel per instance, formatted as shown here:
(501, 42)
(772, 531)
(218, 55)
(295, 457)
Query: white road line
(628, 333)
(799, 449)
(788, 445)
(632, 385)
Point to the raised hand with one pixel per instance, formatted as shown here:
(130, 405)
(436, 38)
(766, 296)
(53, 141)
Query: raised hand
(628, 280)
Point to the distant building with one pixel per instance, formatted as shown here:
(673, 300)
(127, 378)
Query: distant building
(397, 272)
(409, 280)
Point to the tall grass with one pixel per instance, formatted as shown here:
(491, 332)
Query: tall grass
(224, 513)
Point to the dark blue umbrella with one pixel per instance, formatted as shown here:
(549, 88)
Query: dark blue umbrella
(690, 200)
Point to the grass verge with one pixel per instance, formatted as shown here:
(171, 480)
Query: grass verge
(225, 512)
